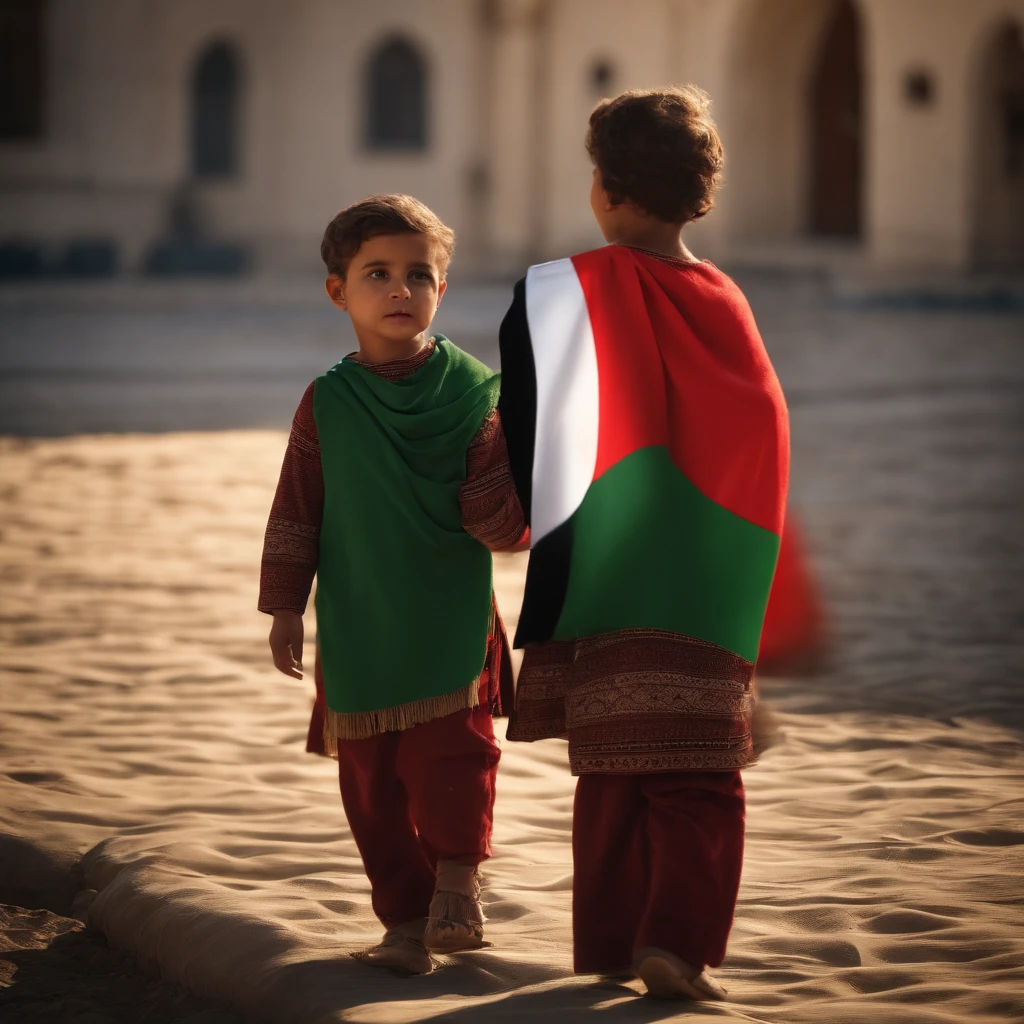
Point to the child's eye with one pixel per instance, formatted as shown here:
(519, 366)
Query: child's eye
(421, 275)
(378, 274)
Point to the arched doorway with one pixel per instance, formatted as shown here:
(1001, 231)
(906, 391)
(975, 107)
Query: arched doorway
(396, 97)
(216, 101)
(836, 127)
(999, 156)
(793, 111)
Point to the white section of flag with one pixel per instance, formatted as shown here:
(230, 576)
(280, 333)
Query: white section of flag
(565, 361)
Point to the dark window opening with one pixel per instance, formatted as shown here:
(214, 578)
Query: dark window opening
(1013, 133)
(602, 77)
(216, 94)
(22, 69)
(919, 88)
(396, 98)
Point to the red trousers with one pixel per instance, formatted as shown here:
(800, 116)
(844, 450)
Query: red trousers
(415, 797)
(657, 862)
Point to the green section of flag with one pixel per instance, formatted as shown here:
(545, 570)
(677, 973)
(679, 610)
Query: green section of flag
(649, 550)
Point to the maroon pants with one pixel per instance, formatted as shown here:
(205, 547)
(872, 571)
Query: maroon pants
(415, 797)
(657, 862)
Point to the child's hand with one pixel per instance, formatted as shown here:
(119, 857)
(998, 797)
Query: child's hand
(286, 642)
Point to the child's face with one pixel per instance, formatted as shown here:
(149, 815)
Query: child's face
(392, 289)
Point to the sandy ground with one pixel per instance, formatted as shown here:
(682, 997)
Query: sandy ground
(141, 727)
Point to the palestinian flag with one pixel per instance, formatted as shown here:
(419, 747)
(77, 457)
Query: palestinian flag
(649, 440)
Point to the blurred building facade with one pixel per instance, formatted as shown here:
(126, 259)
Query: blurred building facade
(893, 129)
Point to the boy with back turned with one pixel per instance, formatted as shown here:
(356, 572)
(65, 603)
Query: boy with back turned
(648, 438)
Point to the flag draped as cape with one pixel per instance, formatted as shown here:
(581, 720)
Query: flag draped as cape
(648, 437)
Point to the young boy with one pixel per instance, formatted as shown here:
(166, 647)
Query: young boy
(648, 438)
(394, 484)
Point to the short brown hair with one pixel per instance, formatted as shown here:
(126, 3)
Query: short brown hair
(391, 214)
(658, 149)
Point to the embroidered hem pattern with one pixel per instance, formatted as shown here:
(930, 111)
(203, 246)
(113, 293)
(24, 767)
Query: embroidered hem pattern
(360, 725)
(638, 701)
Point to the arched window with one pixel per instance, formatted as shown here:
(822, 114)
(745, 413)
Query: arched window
(216, 95)
(396, 97)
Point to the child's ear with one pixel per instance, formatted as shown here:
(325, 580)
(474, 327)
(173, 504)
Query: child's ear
(599, 197)
(441, 289)
(335, 288)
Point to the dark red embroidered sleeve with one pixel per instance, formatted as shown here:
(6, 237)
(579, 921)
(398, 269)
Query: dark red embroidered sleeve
(291, 545)
(491, 511)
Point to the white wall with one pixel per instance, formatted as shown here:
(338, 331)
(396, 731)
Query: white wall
(637, 41)
(512, 96)
(325, 165)
(119, 124)
(918, 213)
(923, 179)
(769, 53)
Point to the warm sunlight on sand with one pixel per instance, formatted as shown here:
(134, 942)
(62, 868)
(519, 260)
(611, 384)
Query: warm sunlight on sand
(142, 722)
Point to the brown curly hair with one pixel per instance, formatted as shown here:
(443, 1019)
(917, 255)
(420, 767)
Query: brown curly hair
(658, 149)
(389, 214)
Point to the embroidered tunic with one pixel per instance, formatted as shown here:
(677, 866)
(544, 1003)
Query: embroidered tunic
(489, 509)
(648, 438)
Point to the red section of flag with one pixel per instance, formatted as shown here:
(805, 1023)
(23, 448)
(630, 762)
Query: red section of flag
(632, 410)
(793, 632)
(680, 362)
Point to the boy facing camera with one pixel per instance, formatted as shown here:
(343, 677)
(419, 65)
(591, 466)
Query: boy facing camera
(391, 493)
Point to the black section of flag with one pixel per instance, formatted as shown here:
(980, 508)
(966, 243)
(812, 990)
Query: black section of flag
(518, 402)
(547, 580)
(548, 575)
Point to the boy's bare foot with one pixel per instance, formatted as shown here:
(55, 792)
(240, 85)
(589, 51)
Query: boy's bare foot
(456, 920)
(401, 950)
(668, 977)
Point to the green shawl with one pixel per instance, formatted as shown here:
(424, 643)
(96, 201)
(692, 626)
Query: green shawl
(404, 594)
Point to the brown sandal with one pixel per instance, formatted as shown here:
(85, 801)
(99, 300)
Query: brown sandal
(456, 921)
